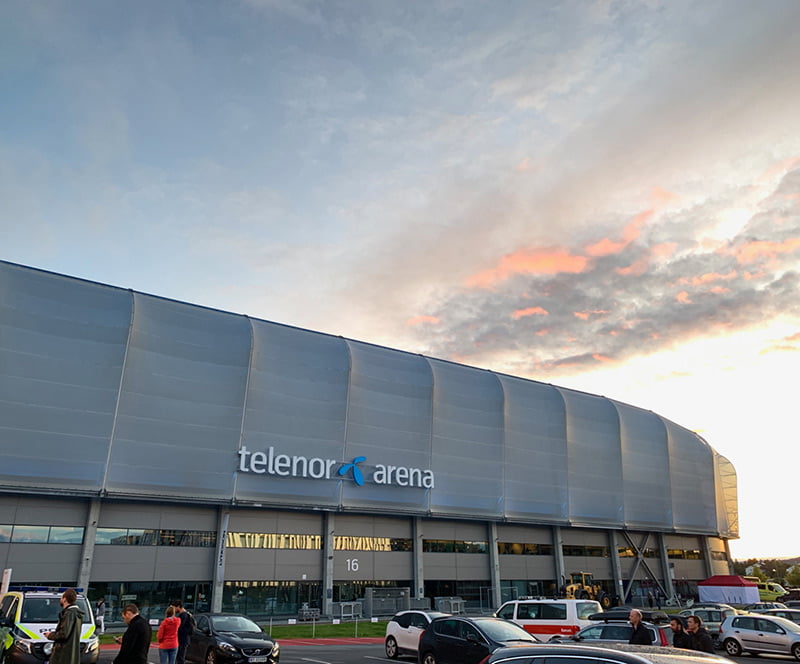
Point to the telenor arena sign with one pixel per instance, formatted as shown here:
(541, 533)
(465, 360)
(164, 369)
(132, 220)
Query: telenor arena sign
(284, 465)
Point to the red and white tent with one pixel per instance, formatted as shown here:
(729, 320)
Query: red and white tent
(728, 590)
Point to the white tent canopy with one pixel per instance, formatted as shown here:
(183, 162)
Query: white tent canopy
(728, 590)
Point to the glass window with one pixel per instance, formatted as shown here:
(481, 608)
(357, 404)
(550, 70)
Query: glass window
(744, 623)
(5, 533)
(554, 611)
(30, 534)
(593, 632)
(142, 537)
(768, 626)
(111, 536)
(65, 535)
(507, 612)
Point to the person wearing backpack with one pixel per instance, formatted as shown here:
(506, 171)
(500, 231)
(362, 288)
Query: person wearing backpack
(185, 630)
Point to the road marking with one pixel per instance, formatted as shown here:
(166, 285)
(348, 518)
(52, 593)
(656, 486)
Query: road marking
(318, 661)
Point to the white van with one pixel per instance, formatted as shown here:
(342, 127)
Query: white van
(546, 618)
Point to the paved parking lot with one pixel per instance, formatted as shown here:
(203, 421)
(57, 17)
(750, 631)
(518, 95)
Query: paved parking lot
(369, 654)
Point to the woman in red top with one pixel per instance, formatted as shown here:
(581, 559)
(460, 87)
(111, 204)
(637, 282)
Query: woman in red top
(168, 637)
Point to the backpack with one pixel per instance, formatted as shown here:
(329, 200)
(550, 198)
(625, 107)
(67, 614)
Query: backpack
(192, 624)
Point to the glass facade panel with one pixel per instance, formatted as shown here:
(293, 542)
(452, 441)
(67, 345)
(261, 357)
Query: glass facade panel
(272, 541)
(5, 533)
(31, 534)
(111, 536)
(65, 535)
(524, 549)
(453, 546)
(355, 543)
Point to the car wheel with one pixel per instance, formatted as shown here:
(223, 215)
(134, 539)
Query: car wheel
(391, 648)
(732, 647)
(211, 657)
(796, 651)
(605, 601)
(428, 658)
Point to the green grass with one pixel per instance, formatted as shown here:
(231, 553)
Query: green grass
(305, 630)
(327, 630)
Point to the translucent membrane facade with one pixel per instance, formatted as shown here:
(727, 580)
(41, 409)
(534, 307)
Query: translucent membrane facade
(106, 391)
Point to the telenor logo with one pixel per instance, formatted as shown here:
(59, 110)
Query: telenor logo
(358, 476)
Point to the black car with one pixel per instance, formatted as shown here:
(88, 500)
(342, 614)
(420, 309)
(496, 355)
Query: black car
(617, 631)
(458, 640)
(618, 653)
(229, 638)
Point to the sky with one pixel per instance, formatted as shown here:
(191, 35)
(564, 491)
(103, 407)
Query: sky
(603, 195)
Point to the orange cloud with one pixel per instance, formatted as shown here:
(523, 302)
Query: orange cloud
(632, 231)
(707, 278)
(719, 290)
(601, 358)
(584, 315)
(541, 333)
(419, 320)
(752, 251)
(635, 269)
(530, 311)
(781, 167)
(683, 297)
(529, 261)
(663, 250)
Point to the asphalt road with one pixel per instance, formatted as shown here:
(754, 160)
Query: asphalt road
(372, 653)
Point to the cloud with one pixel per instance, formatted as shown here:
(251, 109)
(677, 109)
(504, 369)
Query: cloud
(529, 311)
(419, 320)
(529, 261)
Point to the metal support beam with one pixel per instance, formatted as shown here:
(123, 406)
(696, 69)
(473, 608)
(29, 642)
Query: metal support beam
(494, 565)
(558, 558)
(419, 568)
(329, 527)
(87, 549)
(616, 569)
(218, 584)
(666, 566)
(705, 547)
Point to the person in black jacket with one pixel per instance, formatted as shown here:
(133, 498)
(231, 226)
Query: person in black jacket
(185, 631)
(680, 639)
(699, 638)
(135, 642)
(640, 635)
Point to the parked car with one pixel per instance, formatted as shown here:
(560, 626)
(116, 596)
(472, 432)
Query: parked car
(404, 629)
(758, 607)
(460, 640)
(712, 618)
(792, 603)
(230, 638)
(546, 618)
(789, 614)
(602, 653)
(33, 613)
(757, 633)
(616, 631)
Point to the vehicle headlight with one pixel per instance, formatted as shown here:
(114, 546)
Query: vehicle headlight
(24, 645)
(276, 649)
(92, 644)
(227, 647)
(47, 648)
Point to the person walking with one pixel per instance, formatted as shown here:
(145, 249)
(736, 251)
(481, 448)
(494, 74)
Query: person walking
(135, 642)
(168, 637)
(680, 639)
(640, 635)
(100, 615)
(185, 631)
(699, 638)
(67, 634)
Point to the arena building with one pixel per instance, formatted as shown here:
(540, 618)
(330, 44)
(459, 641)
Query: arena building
(153, 449)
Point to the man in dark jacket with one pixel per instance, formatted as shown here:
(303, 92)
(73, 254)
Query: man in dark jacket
(185, 631)
(640, 635)
(699, 638)
(680, 639)
(135, 642)
(67, 634)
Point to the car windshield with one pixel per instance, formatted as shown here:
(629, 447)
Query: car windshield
(500, 630)
(46, 610)
(234, 624)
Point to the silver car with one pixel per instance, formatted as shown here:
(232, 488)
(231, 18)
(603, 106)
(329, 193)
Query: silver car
(757, 633)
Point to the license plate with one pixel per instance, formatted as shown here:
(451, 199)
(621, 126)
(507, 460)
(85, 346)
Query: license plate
(255, 660)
